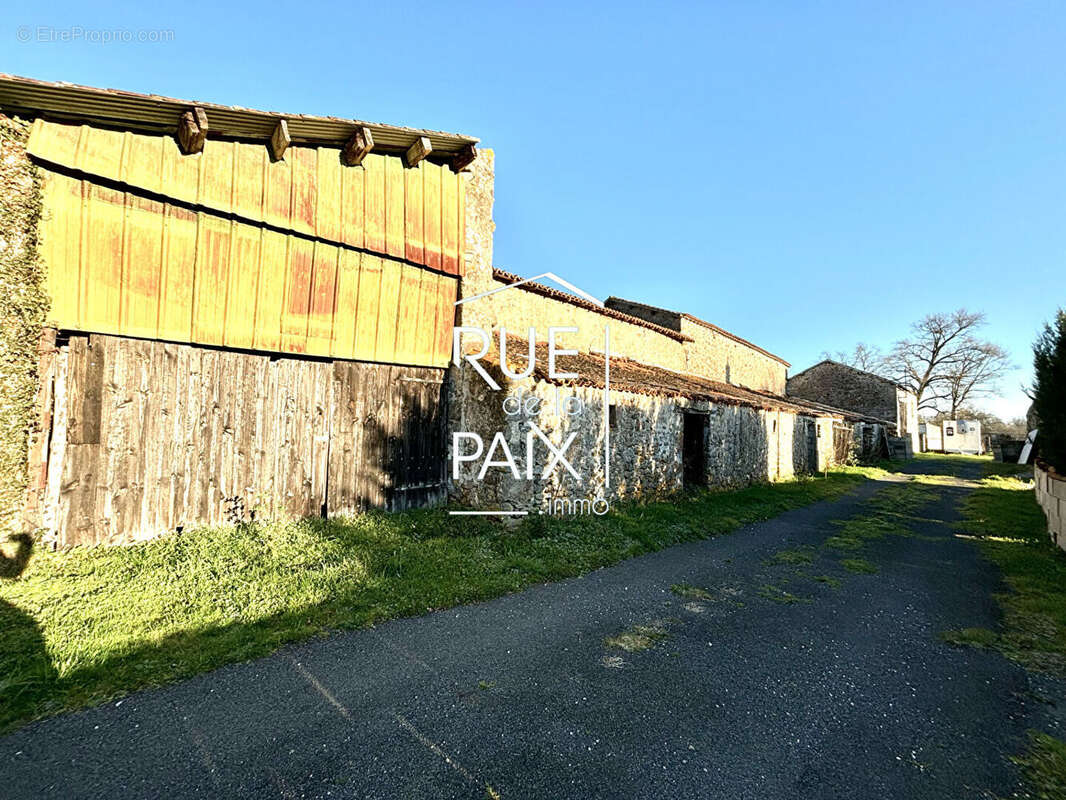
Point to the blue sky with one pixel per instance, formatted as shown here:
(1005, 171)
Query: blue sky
(807, 175)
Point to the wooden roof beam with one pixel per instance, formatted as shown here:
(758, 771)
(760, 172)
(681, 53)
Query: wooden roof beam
(192, 131)
(357, 147)
(418, 151)
(280, 140)
(464, 158)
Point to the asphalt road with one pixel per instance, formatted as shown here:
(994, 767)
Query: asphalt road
(849, 695)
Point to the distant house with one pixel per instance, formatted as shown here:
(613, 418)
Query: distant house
(852, 389)
(962, 436)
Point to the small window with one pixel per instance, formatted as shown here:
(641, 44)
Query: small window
(774, 428)
(612, 416)
(949, 431)
(818, 431)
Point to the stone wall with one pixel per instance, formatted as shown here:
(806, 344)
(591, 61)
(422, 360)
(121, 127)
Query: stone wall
(711, 352)
(519, 309)
(743, 445)
(1051, 495)
(21, 315)
(841, 386)
(721, 358)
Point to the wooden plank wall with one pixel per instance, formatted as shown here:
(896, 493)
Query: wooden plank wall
(382, 206)
(124, 264)
(146, 437)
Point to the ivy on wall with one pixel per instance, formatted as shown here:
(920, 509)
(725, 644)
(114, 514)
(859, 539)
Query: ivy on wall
(23, 306)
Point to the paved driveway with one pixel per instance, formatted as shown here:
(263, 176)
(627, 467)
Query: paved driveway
(847, 693)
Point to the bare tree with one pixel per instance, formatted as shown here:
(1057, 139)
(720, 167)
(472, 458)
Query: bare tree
(864, 357)
(944, 363)
(974, 373)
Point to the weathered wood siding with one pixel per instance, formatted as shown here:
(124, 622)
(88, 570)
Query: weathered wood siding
(124, 264)
(414, 213)
(231, 249)
(145, 437)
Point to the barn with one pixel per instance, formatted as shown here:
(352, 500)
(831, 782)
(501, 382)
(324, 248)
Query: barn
(248, 313)
(220, 315)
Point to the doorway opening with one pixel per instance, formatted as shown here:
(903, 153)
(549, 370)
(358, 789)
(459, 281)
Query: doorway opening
(694, 449)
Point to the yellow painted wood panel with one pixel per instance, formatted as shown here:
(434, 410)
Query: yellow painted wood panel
(322, 300)
(243, 286)
(125, 264)
(431, 215)
(142, 262)
(374, 203)
(381, 206)
(449, 226)
(394, 207)
(329, 195)
(413, 214)
(61, 244)
(273, 263)
(347, 304)
(388, 312)
(102, 277)
(297, 296)
(352, 205)
(366, 321)
(409, 312)
(179, 265)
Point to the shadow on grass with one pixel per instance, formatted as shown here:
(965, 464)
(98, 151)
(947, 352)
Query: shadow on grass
(28, 676)
(115, 620)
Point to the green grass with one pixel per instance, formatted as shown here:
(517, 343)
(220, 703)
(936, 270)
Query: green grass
(971, 637)
(797, 556)
(87, 625)
(778, 595)
(1004, 517)
(828, 580)
(638, 637)
(1044, 766)
(1012, 533)
(858, 565)
(690, 592)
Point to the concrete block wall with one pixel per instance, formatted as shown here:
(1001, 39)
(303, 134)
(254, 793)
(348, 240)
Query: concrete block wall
(1051, 496)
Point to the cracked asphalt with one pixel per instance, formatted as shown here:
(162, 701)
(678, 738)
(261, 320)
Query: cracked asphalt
(846, 693)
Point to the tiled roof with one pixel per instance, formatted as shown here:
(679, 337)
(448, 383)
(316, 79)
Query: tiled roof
(628, 375)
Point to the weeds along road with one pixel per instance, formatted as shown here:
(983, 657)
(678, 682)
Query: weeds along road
(797, 657)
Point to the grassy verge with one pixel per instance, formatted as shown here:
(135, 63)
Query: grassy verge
(87, 625)
(1002, 513)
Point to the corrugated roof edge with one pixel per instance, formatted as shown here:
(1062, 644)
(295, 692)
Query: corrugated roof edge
(574, 300)
(155, 113)
(709, 325)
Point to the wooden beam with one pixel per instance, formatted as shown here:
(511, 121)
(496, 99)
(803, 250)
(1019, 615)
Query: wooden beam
(192, 131)
(280, 140)
(464, 158)
(418, 151)
(356, 148)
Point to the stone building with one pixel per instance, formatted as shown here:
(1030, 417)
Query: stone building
(846, 387)
(637, 400)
